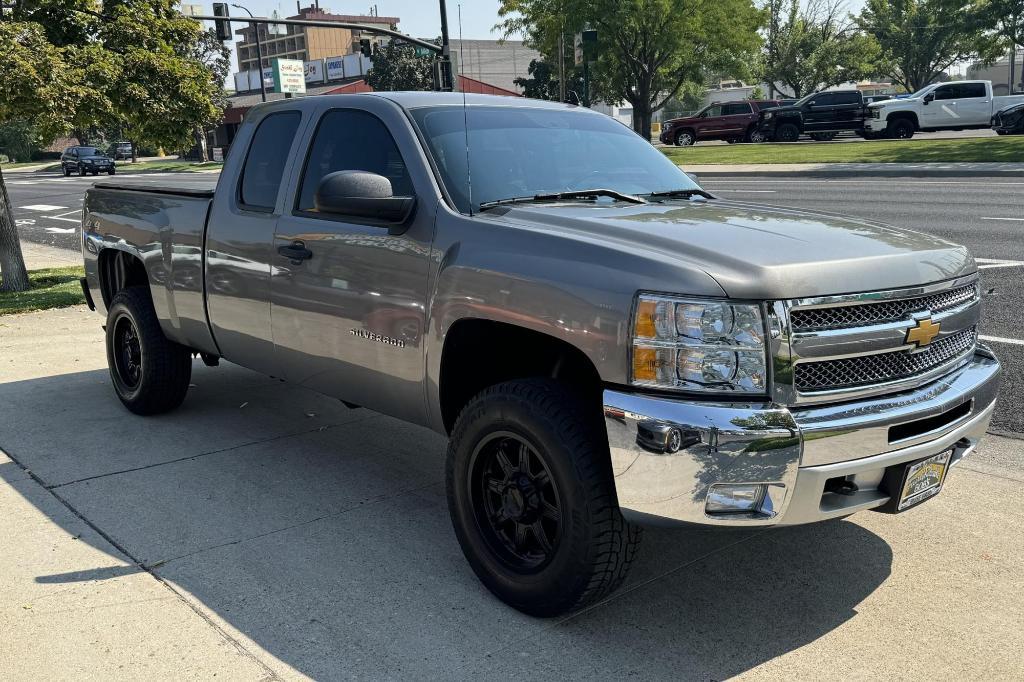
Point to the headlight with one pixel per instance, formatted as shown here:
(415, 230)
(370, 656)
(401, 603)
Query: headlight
(768, 115)
(694, 345)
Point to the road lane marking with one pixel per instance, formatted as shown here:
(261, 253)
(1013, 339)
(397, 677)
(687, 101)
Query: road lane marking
(987, 218)
(1000, 339)
(43, 207)
(68, 220)
(749, 191)
(61, 230)
(988, 263)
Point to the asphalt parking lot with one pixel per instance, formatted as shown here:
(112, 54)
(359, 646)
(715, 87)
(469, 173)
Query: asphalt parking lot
(264, 532)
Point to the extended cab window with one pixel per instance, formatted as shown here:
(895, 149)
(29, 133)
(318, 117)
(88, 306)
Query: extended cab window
(848, 98)
(968, 90)
(349, 139)
(268, 154)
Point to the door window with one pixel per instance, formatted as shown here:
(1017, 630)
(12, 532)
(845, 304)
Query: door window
(946, 92)
(847, 98)
(712, 112)
(264, 165)
(349, 139)
(971, 90)
(737, 109)
(824, 100)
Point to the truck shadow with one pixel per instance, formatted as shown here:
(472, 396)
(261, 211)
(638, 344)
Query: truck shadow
(321, 535)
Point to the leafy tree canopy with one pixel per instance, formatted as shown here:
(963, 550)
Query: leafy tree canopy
(543, 80)
(814, 47)
(396, 66)
(920, 39)
(647, 49)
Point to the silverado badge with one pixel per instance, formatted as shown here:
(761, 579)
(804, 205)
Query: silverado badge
(923, 332)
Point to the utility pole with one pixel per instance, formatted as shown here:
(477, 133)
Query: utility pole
(259, 53)
(561, 67)
(446, 55)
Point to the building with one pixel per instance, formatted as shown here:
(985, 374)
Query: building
(308, 43)
(999, 73)
(497, 62)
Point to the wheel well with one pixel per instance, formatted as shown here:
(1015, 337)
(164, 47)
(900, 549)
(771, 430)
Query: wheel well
(907, 115)
(117, 270)
(481, 353)
(684, 129)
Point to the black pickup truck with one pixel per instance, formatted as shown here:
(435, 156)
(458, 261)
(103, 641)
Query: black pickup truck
(821, 115)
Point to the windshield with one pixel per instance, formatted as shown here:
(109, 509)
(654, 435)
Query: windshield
(524, 151)
(920, 93)
(87, 151)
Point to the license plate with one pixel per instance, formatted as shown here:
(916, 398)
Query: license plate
(923, 480)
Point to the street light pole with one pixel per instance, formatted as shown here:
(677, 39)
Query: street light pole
(259, 53)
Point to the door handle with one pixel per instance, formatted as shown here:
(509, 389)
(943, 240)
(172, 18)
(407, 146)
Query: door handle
(296, 252)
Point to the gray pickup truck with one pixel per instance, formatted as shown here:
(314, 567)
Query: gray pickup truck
(605, 343)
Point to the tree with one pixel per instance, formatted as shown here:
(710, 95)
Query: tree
(647, 50)
(137, 65)
(543, 80)
(920, 39)
(397, 66)
(814, 47)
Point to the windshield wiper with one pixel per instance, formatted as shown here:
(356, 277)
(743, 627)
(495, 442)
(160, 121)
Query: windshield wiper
(559, 196)
(680, 193)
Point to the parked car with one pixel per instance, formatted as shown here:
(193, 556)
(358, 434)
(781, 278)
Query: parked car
(957, 105)
(732, 121)
(84, 160)
(121, 150)
(1009, 120)
(603, 342)
(821, 115)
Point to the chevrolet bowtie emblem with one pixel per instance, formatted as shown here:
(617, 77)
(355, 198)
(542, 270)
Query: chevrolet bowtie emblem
(923, 333)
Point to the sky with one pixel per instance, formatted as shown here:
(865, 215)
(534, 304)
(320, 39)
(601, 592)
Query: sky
(419, 18)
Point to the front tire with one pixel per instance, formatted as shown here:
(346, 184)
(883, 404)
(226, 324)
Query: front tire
(81, 172)
(900, 129)
(532, 499)
(685, 138)
(756, 136)
(150, 373)
(787, 132)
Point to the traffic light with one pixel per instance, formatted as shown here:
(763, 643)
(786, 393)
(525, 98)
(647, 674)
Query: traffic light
(222, 28)
(364, 46)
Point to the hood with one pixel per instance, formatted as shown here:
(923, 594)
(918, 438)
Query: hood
(761, 252)
(685, 119)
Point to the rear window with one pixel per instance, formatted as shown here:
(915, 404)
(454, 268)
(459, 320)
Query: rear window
(264, 166)
(736, 109)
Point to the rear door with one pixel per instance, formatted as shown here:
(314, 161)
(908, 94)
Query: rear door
(819, 113)
(349, 320)
(973, 104)
(736, 117)
(240, 233)
(849, 110)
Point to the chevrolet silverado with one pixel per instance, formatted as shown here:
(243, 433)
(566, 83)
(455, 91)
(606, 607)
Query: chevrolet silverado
(604, 343)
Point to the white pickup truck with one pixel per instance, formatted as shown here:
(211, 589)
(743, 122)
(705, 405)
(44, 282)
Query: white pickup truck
(957, 105)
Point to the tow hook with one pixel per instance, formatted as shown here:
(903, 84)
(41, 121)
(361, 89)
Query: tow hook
(841, 486)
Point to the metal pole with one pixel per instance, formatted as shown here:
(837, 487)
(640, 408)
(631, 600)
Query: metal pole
(259, 53)
(561, 67)
(586, 81)
(446, 56)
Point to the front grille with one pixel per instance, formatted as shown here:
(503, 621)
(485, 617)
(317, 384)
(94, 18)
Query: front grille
(865, 314)
(830, 375)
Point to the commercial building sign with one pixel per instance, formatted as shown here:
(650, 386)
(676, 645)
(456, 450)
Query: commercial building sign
(315, 71)
(289, 76)
(335, 68)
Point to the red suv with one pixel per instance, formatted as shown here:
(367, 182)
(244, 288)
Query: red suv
(732, 121)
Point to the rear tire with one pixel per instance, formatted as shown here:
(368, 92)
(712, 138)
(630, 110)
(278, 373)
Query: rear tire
(532, 499)
(787, 132)
(150, 373)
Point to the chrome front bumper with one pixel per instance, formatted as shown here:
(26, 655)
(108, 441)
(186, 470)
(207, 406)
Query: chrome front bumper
(666, 454)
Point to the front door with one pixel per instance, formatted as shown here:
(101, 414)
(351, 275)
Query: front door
(944, 110)
(349, 319)
(819, 113)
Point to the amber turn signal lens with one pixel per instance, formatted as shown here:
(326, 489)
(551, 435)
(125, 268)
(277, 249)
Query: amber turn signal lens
(645, 364)
(646, 312)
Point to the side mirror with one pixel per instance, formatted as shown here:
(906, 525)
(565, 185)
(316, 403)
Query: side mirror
(929, 97)
(362, 195)
(811, 103)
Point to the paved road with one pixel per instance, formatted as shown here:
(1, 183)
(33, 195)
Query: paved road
(985, 214)
(48, 206)
(853, 137)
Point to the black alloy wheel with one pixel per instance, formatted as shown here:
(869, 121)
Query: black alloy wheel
(787, 132)
(515, 500)
(127, 352)
(901, 129)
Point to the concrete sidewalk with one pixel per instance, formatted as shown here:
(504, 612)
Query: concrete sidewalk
(849, 169)
(265, 532)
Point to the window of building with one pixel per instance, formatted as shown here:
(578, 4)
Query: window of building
(264, 165)
(348, 139)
